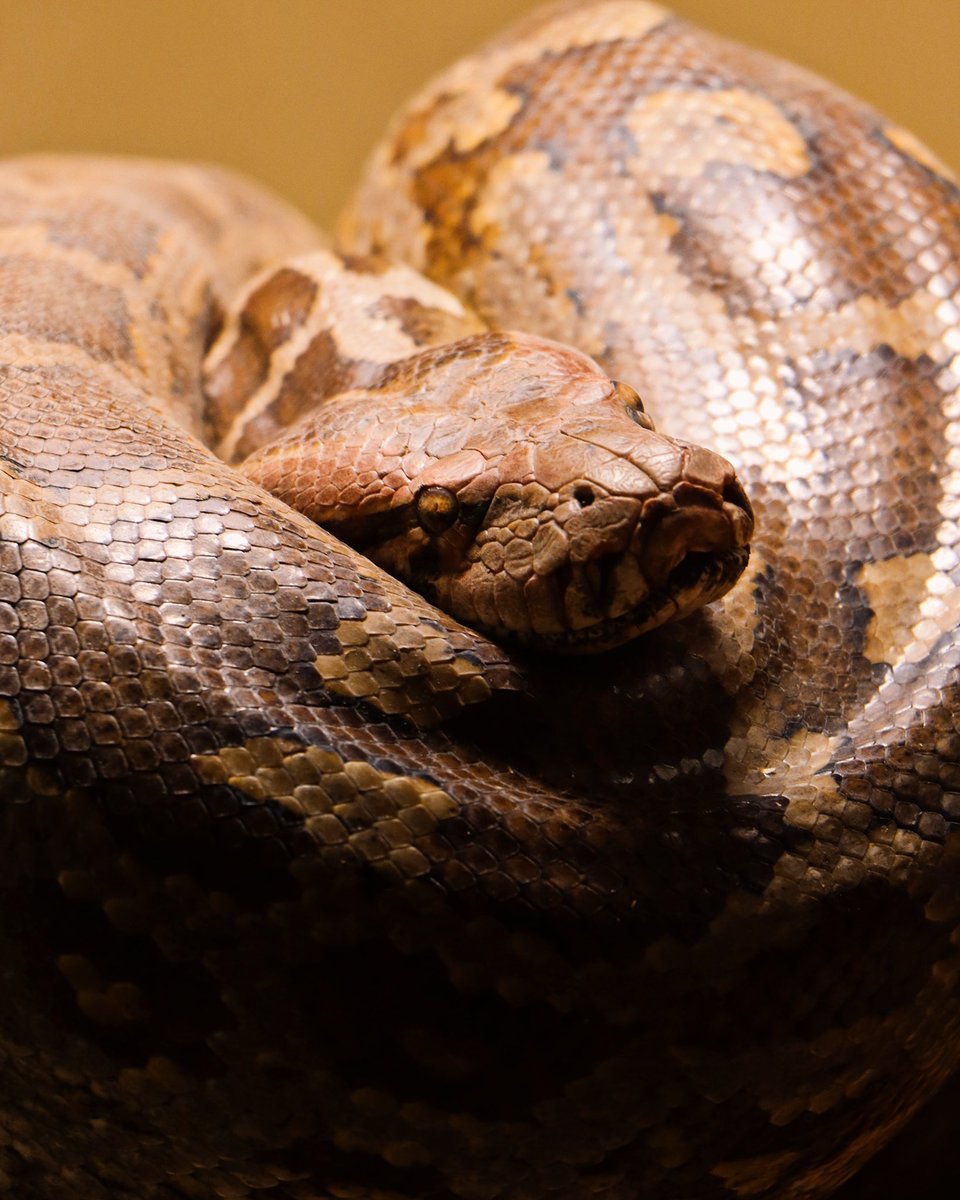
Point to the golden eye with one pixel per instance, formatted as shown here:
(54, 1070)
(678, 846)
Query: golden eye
(632, 403)
(437, 509)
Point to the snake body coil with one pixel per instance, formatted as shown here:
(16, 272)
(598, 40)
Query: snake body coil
(678, 923)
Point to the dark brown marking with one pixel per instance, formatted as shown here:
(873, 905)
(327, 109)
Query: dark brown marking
(270, 317)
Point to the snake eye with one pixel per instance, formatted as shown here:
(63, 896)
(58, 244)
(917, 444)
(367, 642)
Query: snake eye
(437, 509)
(632, 403)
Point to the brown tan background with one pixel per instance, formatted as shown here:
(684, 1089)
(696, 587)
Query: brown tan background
(295, 91)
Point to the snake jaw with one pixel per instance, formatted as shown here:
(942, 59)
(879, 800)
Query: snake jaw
(602, 567)
(698, 580)
(598, 578)
(689, 522)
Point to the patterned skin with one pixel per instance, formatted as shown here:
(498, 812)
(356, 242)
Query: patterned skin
(503, 476)
(679, 922)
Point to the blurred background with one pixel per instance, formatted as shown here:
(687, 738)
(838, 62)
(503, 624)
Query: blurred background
(295, 92)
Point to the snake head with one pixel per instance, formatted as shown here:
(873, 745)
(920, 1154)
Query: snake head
(517, 486)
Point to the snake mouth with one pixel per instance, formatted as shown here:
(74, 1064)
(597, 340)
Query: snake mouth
(699, 578)
(628, 565)
(681, 556)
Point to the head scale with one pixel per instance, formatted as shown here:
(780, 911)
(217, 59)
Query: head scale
(513, 483)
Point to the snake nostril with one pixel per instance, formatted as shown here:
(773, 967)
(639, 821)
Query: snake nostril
(584, 495)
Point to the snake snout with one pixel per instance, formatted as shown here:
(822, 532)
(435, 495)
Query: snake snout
(701, 527)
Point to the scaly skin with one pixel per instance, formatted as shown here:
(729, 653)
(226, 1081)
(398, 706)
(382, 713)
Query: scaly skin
(505, 477)
(532, 509)
(262, 931)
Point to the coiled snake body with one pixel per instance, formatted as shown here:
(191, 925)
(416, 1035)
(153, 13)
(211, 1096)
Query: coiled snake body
(677, 922)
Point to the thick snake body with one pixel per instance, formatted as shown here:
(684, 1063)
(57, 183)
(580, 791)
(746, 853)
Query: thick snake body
(679, 922)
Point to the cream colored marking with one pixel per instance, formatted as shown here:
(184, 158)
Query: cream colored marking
(937, 609)
(758, 430)
(466, 89)
(199, 187)
(34, 241)
(913, 327)
(847, 840)
(585, 25)
(463, 99)
(447, 681)
(910, 145)
(891, 588)
(39, 352)
(844, 835)
(486, 121)
(150, 339)
(506, 180)
(397, 282)
(344, 302)
(282, 360)
(27, 241)
(679, 134)
(329, 792)
(786, 767)
(466, 119)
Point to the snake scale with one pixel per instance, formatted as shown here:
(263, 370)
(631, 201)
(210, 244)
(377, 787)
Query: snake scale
(308, 890)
